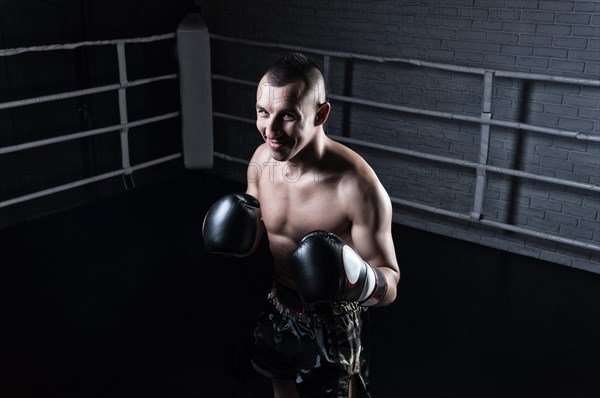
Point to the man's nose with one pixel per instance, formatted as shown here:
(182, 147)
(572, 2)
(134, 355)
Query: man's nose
(273, 129)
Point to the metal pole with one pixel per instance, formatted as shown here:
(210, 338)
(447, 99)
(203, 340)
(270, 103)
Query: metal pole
(484, 145)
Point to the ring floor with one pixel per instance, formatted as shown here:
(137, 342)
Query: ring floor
(118, 299)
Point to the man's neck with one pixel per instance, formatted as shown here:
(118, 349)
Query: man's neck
(311, 156)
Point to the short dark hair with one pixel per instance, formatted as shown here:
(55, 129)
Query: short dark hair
(290, 68)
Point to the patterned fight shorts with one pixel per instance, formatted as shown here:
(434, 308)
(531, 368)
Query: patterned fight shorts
(320, 346)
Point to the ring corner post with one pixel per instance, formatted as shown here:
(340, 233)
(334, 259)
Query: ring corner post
(193, 49)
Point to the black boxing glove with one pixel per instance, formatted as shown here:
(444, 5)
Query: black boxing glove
(325, 268)
(232, 225)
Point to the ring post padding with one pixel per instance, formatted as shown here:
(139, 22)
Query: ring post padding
(193, 48)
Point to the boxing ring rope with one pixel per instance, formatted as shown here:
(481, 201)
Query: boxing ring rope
(86, 91)
(485, 120)
(88, 133)
(123, 127)
(89, 180)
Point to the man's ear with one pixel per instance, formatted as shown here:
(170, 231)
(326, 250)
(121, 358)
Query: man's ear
(322, 113)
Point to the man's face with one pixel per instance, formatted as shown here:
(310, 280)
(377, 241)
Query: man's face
(285, 117)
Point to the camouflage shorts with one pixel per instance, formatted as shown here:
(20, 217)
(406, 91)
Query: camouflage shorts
(319, 347)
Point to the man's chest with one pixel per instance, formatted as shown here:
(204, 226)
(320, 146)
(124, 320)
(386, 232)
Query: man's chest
(291, 209)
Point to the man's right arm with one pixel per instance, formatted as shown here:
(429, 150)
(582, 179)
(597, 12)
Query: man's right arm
(253, 175)
(254, 171)
(233, 225)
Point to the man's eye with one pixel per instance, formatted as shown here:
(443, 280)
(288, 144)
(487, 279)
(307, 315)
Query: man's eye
(262, 112)
(289, 116)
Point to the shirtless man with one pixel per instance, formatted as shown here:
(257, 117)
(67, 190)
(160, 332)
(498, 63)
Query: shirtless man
(328, 223)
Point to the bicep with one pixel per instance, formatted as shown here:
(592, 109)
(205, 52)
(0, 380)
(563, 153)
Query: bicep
(372, 233)
(252, 181)
(253, 174)
(252, 177)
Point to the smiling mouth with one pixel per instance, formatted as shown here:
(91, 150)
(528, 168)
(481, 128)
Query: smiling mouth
(276, 145)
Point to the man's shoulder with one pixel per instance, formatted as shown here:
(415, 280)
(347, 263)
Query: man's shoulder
(355, 167)
(357, 177)
(261, 153)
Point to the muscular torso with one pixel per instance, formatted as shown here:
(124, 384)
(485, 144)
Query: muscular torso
(293, 205)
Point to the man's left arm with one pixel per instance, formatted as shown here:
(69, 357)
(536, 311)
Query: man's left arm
(370, 212)
(365, 270)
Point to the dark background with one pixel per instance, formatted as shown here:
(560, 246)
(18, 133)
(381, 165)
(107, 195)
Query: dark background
(118, 299)
(107, 292)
